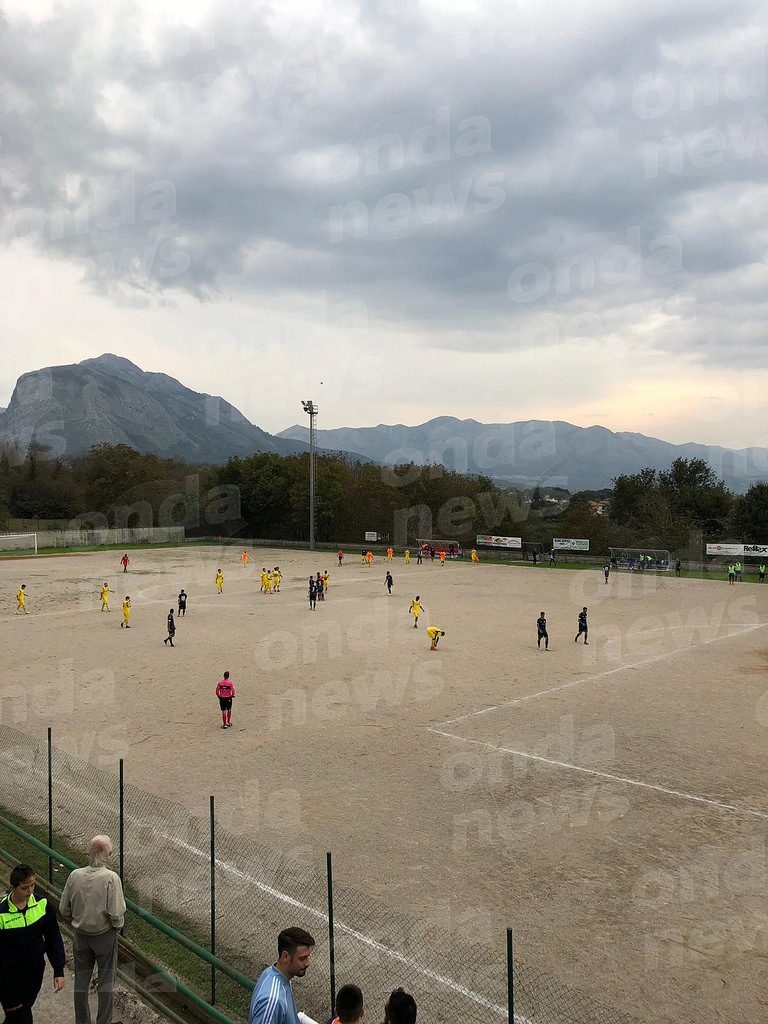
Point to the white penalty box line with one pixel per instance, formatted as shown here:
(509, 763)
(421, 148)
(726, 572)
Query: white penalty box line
(600, 675)
(623, 779)
(594, 773)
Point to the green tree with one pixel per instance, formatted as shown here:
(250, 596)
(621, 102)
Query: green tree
(750, 514)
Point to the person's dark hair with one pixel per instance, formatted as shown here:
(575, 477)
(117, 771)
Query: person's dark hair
(20, 874)
(226, 675)
(290, 939)
(349, 1004)
(402, 1008)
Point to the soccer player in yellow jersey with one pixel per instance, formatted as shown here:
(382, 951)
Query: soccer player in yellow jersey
(326, 577)
(276, 577)
(126, 613)
(416, 609)
(474, 556)
(21, 600)
(407, 555)
(263, 581)
(267, 582)
(104, 595)
(434, 633)
(220, 581)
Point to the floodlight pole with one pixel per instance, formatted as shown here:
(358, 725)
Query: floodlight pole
(311, 409)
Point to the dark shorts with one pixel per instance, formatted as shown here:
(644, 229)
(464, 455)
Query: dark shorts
(225, 703)
(543, 633)
(583, 628)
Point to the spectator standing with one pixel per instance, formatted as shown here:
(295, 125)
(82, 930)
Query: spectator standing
(93, 902)
(400, 1008)
(349, 1005)
(28, 933)
(272, 1001)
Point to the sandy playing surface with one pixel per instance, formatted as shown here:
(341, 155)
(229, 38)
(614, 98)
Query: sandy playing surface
(608, 802)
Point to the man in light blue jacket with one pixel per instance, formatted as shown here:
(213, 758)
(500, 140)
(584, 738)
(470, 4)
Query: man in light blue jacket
(272, 1000)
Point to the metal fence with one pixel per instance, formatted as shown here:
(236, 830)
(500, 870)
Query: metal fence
(248, 893)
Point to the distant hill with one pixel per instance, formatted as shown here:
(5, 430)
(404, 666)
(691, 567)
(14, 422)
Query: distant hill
(536, 451)
(70, 408)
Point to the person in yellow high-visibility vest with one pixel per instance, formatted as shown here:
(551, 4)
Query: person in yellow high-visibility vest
(474, 556)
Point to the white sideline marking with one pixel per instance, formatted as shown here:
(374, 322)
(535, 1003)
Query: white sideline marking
(454, 986)
(608, 775)
(600, 675)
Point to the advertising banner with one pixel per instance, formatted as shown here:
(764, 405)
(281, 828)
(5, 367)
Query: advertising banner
(569, 544)
(756, 550)
(371, 535)
(730, 550)
(499, 542)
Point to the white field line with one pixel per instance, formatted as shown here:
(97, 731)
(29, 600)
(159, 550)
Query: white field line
(236, 872)
(745, 812)
(600, 675)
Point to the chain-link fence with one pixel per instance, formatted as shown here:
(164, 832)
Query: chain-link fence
(164, 853)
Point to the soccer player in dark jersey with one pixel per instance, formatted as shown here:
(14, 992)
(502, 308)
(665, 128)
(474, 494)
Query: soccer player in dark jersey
(171, 628)
(541, 630)
(182, 603)
(583, 628)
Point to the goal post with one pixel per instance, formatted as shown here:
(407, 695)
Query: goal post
(21, 542)
(640, 559)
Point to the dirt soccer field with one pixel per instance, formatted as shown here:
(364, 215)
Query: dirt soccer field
(609, 802)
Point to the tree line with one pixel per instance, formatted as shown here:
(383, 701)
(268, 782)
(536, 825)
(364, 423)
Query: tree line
(267, 495)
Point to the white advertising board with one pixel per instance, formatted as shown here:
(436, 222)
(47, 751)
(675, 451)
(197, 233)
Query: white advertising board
(569, 544)
(487, 540)
(725, 549)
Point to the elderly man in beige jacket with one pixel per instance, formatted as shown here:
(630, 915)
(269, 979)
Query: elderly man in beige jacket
(93, 902)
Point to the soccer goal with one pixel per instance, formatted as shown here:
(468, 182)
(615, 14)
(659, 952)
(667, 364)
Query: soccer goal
(640, 559)
(18, 542)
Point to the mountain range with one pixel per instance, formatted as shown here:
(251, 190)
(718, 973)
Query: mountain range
(530, 452)
(70, 408)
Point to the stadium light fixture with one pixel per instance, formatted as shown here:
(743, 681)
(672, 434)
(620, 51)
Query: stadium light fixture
(311, 409)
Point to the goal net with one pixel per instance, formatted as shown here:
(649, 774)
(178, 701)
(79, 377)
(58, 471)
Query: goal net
(18, 542)
(640, 559)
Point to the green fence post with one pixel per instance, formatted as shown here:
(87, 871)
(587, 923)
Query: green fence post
(213, 905)
(510, 978)
(50, 805)
(332, 948)
(122, 823)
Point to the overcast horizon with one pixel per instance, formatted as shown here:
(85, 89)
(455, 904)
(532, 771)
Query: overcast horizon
(501, 215)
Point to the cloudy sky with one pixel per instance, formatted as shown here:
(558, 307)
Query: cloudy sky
(399, 209)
